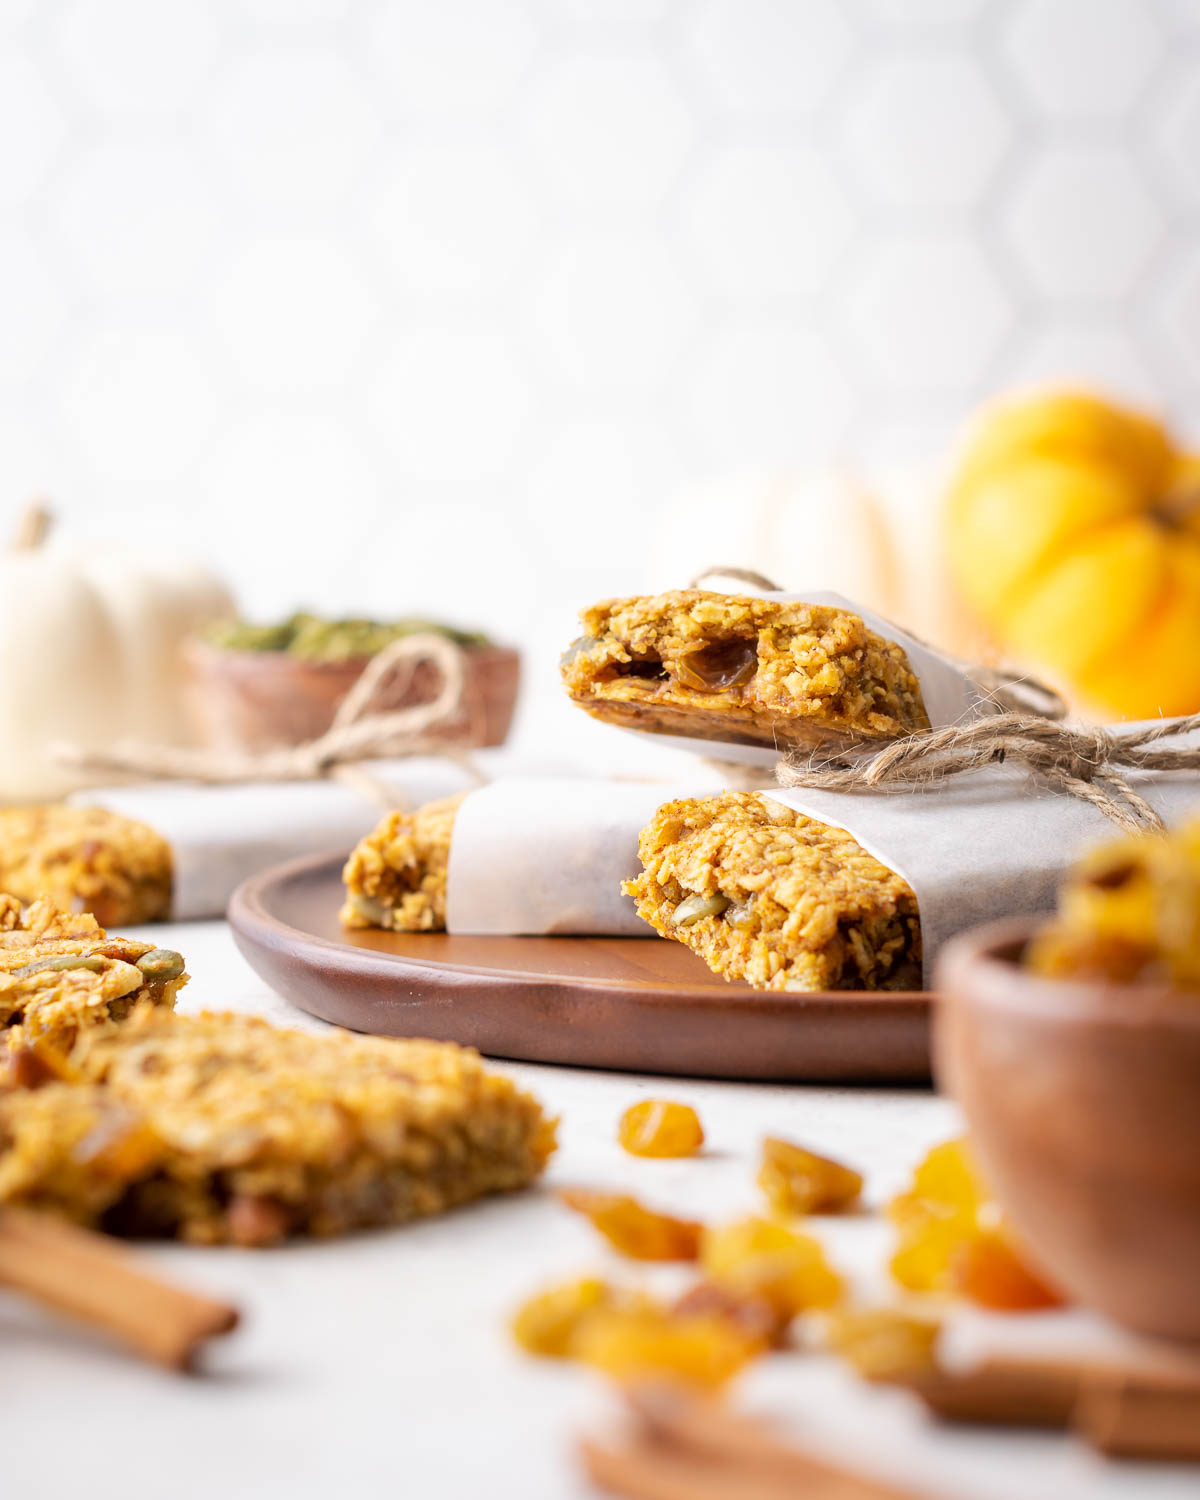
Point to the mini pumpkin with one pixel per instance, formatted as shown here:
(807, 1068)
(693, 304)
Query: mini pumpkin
(1073, 533)
(89, 652)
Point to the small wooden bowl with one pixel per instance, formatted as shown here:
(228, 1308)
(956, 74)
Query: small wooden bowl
(1083, 1102)
(260, 700)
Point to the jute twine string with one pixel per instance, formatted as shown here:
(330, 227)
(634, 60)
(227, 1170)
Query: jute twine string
(1084, 762)
(359, 732)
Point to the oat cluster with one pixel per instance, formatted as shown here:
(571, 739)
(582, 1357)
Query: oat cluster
(742, 669)
(775, 899)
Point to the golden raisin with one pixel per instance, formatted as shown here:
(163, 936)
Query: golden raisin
(547, 1323)
(952, 1238)
(636, 1231)
(700, 1350)
(758, 1257)
(751, 1314)
(660, 1127)
(883, 1343)
(798, 1181)
(988, 1270)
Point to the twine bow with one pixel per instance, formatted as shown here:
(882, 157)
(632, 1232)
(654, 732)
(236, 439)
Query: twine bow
(1083, 762)
(360, 731)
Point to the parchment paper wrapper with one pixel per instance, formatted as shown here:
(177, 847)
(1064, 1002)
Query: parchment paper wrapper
(539, 856)
(985, 845)
(951, 696)
(220, 835)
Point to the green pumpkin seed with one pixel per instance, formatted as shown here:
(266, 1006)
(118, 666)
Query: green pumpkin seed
(62, 963)
(161, 965)
(692, 908)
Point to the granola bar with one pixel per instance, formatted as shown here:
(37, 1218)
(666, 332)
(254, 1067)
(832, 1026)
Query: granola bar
(741, 669)
(86, 859)
(768, 896)
(225, 1129)
(396, 877)
(61, 973)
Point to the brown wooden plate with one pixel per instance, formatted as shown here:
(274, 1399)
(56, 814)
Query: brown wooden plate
(643, 1004)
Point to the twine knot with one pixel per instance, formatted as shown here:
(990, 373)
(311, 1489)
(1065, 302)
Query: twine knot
(361, 730)
(1080, 761)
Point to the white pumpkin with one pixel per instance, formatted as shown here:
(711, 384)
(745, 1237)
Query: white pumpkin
(828, 530)
(89, 652)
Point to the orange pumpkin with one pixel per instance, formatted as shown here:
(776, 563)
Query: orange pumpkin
(1073, 534)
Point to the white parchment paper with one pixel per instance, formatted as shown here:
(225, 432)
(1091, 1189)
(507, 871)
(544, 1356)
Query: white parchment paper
(220, 835)
(534, 856)
(985, 845)
(951, 696)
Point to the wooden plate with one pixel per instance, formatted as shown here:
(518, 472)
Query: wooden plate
(643, 1004)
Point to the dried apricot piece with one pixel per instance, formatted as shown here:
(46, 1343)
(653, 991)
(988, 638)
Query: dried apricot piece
(701, 1350)
(988, 1270)
(634, 1230)
(798, 1181)
(547, 1322)
(755, 1256)
(884, 1343)
(660, 1127)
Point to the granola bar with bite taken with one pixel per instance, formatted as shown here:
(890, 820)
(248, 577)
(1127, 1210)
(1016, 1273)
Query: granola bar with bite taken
(742, 669)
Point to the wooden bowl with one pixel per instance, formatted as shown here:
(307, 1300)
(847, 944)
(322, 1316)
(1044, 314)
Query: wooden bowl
(1083, 1103)
(260, 700)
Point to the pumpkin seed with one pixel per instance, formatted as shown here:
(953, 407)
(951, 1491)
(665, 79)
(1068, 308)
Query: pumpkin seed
(63, 962)
(161, 965)
(692, 908)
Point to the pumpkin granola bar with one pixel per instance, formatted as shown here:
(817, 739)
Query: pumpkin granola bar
(60, 974)
(86, 859)
(741, 669)
(396, 876)
(226, 1129)
(768, 896)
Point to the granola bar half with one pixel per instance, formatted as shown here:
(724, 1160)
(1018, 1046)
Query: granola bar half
(86, 859)
(742, 669)
(768, 896)
(226, 1129)
(61, 973)
(396, 876)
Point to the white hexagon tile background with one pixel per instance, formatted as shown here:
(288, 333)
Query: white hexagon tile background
(396, 304)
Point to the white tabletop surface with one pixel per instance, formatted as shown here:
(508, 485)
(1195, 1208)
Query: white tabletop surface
(381, 1366)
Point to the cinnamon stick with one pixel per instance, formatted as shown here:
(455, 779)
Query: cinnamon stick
(1002, 1392)
(1130, 1416)
(686, 1448)
(1148, 1408)
(90, 1277)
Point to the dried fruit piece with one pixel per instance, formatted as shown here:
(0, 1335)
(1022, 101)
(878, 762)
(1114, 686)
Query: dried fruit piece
(952, 1237)
(636, 1231)
(547, 1323)
(884, 1343)
(752, 1314)
(701, 1350)
(798, 1181)
(660, 1127)
(988, 1270)
(755, 1256)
